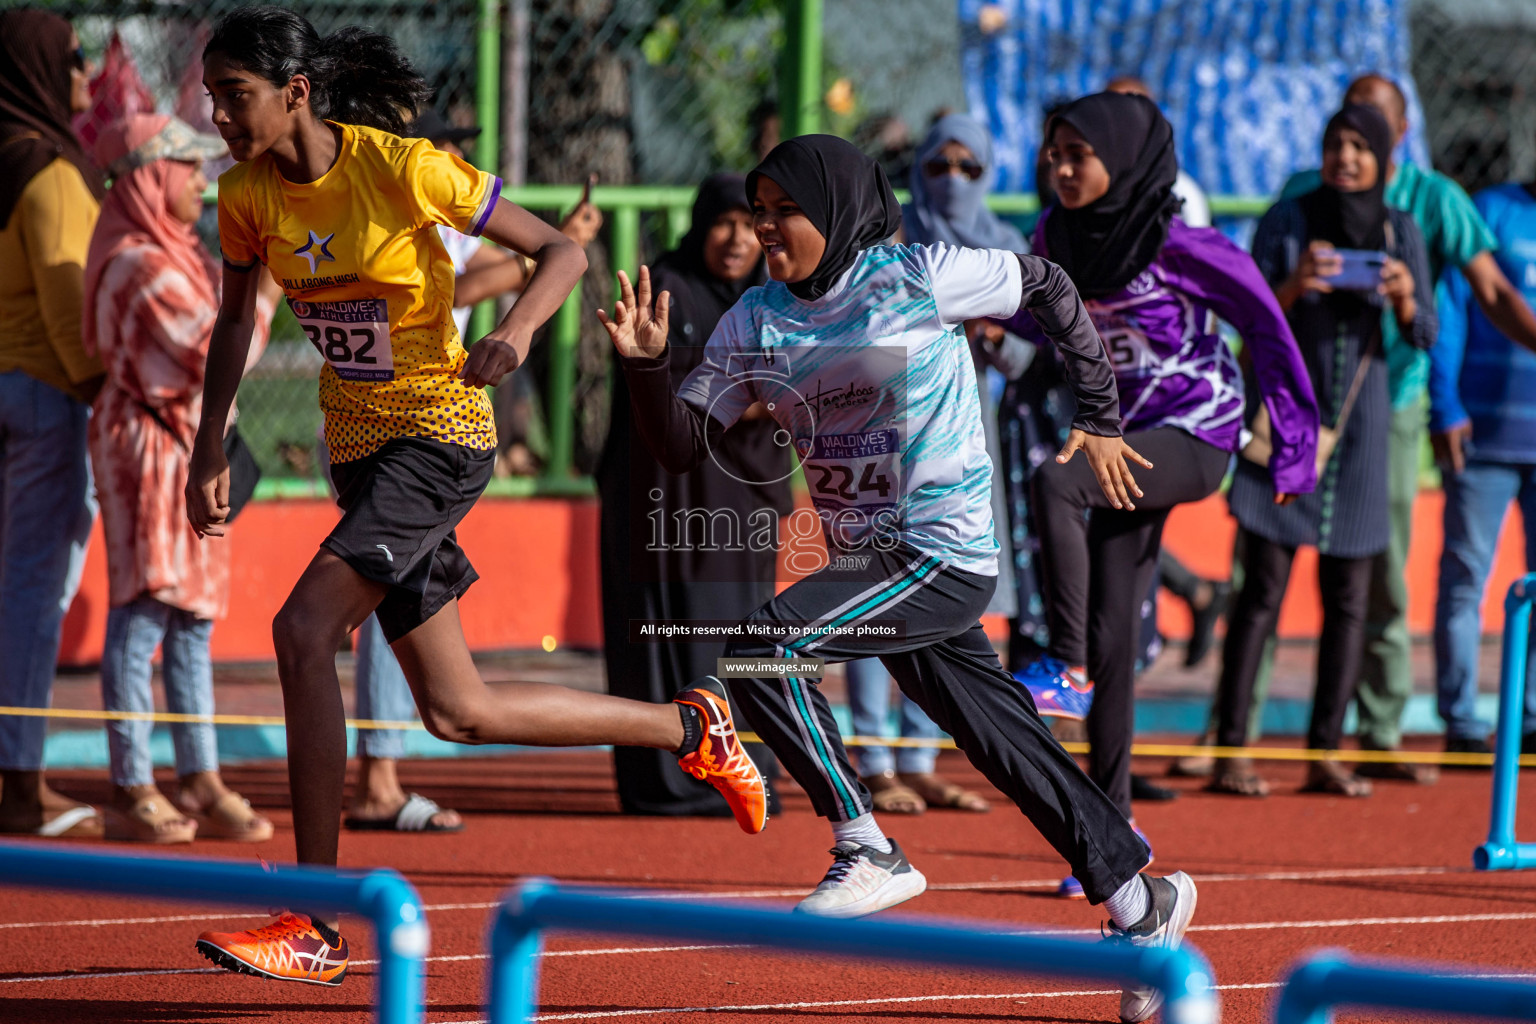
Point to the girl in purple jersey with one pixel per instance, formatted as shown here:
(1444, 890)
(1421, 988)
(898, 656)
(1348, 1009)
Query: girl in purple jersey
(1153, 287)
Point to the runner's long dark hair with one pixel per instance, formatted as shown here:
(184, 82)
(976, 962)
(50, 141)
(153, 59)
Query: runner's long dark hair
(356, 76)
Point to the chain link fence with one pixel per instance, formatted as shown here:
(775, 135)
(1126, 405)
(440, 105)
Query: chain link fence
(667, 91)
(653, 91)
(1475, 65)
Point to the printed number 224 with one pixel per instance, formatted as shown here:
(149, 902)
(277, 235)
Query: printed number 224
(844, 487)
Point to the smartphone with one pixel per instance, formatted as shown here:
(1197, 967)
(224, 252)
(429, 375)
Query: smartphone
(1361, 272)
(586, 190)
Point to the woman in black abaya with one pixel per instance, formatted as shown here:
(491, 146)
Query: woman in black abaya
(651, 569)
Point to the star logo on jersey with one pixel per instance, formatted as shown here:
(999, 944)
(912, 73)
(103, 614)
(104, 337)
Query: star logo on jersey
(316, 250)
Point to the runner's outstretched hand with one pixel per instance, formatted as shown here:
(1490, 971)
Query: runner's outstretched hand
(637, 331)
(1107, 457)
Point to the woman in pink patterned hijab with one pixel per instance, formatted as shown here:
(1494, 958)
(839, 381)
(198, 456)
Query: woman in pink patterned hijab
(150, 304)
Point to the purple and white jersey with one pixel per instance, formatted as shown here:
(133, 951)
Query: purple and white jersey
(1172, 367)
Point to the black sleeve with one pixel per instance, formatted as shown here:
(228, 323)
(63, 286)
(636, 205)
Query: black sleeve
(677, 435)
(1049, 297)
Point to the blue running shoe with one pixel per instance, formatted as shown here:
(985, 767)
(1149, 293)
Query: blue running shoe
(1071, 889)
(1057, 689)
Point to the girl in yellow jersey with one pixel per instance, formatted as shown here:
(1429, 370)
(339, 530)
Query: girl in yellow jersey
(346, 217)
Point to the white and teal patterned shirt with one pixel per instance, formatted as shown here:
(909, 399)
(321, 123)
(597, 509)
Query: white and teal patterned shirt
(874, 386)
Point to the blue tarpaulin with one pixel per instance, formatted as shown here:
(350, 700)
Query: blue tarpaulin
(1248, 84)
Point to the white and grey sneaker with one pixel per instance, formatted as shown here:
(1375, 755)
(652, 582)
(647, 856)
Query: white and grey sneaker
(863, 880)
(1173, 906)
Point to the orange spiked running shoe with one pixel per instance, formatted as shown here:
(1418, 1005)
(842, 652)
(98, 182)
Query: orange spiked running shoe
(289, 949)
(720, 759)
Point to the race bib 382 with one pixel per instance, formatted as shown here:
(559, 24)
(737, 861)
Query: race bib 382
(352, 335)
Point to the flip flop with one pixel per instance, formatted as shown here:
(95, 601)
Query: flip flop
(1335, 780)
(153, 820)
(942, 793)
(892, 796)
(415, 815)
(231, 817)
(77, 822)
(1235, 777)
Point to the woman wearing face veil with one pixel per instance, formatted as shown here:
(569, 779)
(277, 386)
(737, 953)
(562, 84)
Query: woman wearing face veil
(1339, 332)
(651, 568)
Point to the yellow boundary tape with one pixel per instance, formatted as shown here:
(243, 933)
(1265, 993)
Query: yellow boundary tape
(1139, 749)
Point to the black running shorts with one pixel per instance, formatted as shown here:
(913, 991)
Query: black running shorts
(400, 505)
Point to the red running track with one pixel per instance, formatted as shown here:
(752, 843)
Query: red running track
(1278, 877)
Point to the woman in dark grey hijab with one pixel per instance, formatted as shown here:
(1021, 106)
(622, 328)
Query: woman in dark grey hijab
(713, 264)
(1339, 331)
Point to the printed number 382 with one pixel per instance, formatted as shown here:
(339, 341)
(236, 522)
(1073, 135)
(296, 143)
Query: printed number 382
(337, 348)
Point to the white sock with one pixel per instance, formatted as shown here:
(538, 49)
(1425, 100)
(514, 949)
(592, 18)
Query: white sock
(1130, 903)
(861, 830)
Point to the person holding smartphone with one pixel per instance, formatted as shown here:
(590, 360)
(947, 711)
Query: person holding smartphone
(1457, 237)
(1297, 246)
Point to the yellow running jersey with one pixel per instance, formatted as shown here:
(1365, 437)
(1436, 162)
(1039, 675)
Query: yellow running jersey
(358, 254)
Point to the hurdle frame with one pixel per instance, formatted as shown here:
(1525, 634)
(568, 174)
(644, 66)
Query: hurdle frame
(1502, 852)
(382, 896)
(536, 905)
(1332, 978)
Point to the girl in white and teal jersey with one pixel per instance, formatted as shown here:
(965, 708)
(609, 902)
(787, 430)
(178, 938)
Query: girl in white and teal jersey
(856, 350)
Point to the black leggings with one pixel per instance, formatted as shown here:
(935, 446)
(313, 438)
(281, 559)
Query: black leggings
(1345, 584)
(1096, 570)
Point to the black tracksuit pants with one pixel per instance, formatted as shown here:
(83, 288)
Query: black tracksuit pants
(945, 663)
(1345, 584)
(1097, 569)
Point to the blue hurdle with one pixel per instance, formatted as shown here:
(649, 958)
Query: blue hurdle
(382, 896)
(1183, 976)
(1330, 979)
(1502, 852)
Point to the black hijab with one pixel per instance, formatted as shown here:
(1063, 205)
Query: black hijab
(1104, 246)
(844, 193)
(35, 125)
(1353, 220)
(699, 298)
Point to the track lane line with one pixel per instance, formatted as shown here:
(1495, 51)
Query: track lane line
(1341, 874)
(1258, 986)
(825, 1003)
(1347, 922)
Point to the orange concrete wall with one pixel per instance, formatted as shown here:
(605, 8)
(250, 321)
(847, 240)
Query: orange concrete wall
(537, 561)
(1201, 535)
(538, 564)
